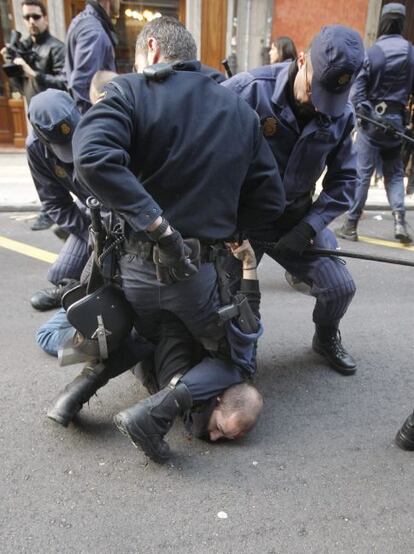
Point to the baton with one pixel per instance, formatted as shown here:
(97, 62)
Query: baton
(349, 254)
(342, 254)
(98, 231)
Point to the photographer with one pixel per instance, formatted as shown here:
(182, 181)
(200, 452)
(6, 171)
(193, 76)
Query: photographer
(40, 56)
(34, 65)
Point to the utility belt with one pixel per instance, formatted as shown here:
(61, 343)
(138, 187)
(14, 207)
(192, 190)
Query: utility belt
(144, 249)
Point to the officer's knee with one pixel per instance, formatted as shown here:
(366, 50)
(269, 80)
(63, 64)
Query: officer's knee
(237, 412)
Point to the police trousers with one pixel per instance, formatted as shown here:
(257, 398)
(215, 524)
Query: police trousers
(194, 304)
(368, 154)
(71, 260)
(331, 283)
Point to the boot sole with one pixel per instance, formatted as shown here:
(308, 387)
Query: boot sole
(340, 369)
(58, 419)
(403, 239)
(138, 439)
(347, 237)
(353, 238)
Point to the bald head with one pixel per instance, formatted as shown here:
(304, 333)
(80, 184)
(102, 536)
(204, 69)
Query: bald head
(237, 411)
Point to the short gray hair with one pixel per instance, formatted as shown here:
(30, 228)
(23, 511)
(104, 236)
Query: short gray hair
(175, 41)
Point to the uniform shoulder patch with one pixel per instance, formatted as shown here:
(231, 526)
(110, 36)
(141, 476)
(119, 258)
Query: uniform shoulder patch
(269, 126)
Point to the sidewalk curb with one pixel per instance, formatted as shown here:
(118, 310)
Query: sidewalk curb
(19, 208)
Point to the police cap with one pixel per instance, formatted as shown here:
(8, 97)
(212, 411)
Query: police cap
(54, 116)
(337, 54)
(394, 8)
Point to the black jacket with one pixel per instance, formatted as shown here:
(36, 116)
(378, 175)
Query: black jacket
(184, 147)
(49, 63)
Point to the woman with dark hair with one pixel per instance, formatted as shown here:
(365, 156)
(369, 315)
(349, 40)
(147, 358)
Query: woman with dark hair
(283, 49)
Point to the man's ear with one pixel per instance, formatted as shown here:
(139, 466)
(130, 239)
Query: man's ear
(154, 51)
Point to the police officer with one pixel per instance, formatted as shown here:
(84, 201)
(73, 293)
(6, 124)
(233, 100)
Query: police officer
(54, 117)
(170, 146)
(307, 121)
(382, 88)
(90, 47)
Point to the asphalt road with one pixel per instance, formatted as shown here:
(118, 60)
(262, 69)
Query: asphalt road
(319, 474)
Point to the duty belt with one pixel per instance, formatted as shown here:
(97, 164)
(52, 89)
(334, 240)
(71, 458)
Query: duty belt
(144, 249)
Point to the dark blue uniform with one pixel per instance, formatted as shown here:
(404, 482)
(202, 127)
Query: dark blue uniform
(54, 183)
(192, 151)
(90, 47)
(387, 79)
(302, 154)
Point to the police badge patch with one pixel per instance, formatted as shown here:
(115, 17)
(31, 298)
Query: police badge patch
(65, 129)
(269, 126)
(59, 171)
(344, 79)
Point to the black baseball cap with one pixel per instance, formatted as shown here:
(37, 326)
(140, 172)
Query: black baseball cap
(337, 54)
(54, 116)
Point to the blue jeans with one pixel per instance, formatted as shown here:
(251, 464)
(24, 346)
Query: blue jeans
(54, 333)
(392, 168)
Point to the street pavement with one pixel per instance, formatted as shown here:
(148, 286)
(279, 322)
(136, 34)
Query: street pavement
(319, 474)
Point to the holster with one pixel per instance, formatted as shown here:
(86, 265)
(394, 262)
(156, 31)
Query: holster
(240, 311)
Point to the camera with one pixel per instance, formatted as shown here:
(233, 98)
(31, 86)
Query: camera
(16, 49)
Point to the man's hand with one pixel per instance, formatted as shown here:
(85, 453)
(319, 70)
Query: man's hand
(173, 255)
(245, 253)
(5, 54)
(28, 71)
(296, 241)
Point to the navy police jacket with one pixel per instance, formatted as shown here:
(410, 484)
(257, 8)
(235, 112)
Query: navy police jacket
(302, 156)
(89, 48)
(184, 147)
(54, 184)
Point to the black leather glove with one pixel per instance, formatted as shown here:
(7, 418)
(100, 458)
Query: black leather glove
(172, 259)
(296, 241)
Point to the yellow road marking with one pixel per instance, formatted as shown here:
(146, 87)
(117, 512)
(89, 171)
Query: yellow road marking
(27, 250)
(387, 243)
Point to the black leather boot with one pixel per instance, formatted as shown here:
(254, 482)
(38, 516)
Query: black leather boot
(328, 343)
(400, 228)
(405, 436)
(48, 299)
(147, 422)
(348, 231)
(75, 394)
